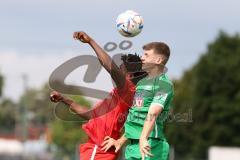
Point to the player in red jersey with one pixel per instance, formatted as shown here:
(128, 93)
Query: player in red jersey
(108, 116)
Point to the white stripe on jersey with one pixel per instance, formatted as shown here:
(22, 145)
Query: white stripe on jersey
(156, 130)
(94, 152)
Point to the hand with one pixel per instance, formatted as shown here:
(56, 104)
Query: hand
(110, 142)
(82, 36)
(55, 97)
(144, 148)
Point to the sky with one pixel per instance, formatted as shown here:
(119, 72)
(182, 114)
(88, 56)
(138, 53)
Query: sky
(36, 35)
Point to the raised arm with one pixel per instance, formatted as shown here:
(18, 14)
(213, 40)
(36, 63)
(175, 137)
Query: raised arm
(105, 60)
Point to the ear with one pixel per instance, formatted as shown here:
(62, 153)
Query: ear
(159, 60)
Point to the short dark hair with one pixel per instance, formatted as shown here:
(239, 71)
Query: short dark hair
(159, 48)
(133, 64)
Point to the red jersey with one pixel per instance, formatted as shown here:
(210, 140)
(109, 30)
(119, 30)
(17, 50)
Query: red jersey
(110, 114)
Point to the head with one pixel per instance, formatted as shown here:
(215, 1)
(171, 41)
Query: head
(156, 54)
(132, 67)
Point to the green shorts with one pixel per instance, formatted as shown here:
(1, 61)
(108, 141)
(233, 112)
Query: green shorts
(159, 149)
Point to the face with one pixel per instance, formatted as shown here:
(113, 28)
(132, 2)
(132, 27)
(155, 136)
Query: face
(150, 60)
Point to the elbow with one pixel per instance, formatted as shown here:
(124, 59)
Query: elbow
(155, 109)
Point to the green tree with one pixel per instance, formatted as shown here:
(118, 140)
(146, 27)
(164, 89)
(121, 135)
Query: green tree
(1, 84)
(7, 116)
(7, 112)
(211, 88)
(64, 126)
(39, 109)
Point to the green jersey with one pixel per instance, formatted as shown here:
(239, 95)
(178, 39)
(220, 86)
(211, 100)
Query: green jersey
(157, 90)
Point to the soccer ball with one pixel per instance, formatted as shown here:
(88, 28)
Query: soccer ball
(129, 23)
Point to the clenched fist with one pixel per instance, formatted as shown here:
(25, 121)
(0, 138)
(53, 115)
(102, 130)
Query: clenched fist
(55, 97)
(82, 36)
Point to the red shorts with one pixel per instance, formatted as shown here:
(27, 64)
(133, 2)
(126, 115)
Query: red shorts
(90, 151)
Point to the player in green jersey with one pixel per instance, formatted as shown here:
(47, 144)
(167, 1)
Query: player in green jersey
(152, 101)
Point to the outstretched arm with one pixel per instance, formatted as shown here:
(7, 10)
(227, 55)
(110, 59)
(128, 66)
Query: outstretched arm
(79, 109)
(105, 60)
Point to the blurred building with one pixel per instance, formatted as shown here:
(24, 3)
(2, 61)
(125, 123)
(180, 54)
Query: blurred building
(35, 147)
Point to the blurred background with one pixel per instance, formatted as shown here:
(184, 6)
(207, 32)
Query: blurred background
(36, 37)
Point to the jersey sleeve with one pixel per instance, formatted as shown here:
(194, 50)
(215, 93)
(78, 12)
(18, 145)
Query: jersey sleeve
(163, 95)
